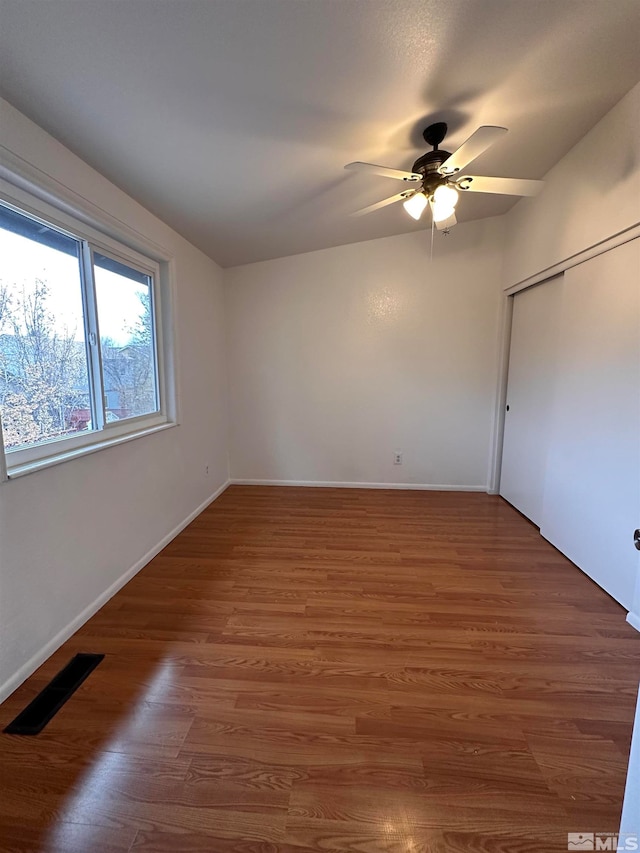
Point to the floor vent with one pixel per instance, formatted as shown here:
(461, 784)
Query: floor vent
(48, 702)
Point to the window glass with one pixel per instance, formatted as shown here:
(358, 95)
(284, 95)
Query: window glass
(44, 377)
(78, 340)
(124, 298)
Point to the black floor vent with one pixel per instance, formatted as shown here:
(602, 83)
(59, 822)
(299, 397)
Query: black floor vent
(48, 702)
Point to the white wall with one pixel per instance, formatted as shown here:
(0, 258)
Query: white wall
(634, 616)
(70, 532)
(590, 195)
(630, 821)
(339, 357)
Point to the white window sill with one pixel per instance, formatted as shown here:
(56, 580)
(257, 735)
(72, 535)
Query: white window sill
(15, 471)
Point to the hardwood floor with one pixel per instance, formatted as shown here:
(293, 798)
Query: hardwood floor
(336, 670)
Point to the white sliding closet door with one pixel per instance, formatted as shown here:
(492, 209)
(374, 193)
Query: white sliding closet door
(529, 396)
(591, 500)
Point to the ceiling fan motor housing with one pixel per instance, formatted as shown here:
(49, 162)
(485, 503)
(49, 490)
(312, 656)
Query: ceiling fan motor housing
(428, 166)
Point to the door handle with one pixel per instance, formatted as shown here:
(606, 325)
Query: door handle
(636, 539)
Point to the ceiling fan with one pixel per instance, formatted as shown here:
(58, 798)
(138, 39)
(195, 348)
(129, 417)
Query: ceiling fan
(437, 177)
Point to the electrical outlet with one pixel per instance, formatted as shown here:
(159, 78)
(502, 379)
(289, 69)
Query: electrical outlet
(206, 470)
(397, 457)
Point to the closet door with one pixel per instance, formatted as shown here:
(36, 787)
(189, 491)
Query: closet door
(529, 396)
(592, 485)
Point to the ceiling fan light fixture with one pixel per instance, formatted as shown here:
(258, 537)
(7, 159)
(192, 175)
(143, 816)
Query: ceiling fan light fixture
(415, 205)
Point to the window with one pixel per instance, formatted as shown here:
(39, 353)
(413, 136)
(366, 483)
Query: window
(80, 334)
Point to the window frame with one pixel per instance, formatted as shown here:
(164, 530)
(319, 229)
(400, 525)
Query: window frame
(143, 258)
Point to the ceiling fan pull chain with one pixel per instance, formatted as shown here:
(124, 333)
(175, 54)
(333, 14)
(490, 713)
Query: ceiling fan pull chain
(433, 225)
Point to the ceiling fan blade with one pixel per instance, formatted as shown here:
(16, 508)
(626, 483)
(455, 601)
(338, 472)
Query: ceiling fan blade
(385, 201)
(475, 145)
(504, 186)
(410, 177)
(442, 224)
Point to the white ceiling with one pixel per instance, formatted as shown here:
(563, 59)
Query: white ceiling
(232, 119)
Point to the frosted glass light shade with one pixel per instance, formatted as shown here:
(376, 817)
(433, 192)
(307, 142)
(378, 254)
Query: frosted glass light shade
(441, 212)
(415, 205)
(445, 197)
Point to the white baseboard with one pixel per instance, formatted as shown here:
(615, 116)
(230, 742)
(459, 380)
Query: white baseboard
(14, 681)
(634, 620)
(341, 485)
